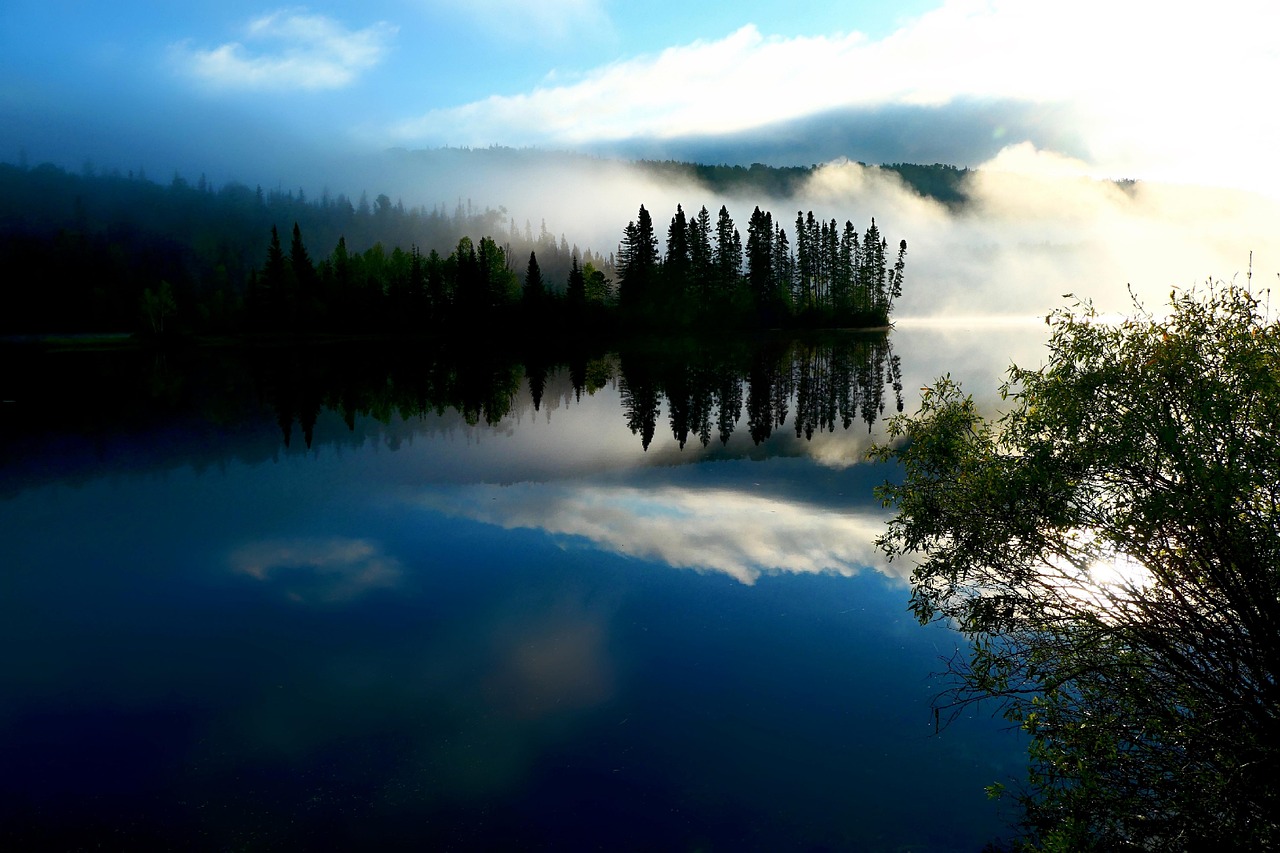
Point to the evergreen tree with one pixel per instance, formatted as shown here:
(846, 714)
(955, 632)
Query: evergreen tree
(273, 285)
(499, 282)
(804, 265)
(872, 272)
(842, 299)
(675, 269)
(760, 274)
(306, 284)
(418, 305)
(783, 266)
(728, 257)
(437, 299)
(468, 284)
(894, 289)
(342, 265)
(534, 290)
(701, 269)
(638, 266)
(830, 262)
(576, 290)
(813, 236)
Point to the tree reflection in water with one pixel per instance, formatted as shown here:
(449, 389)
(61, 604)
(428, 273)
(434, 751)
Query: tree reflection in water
(815, 383)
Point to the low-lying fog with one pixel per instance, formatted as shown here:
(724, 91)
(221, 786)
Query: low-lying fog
(1035, 229)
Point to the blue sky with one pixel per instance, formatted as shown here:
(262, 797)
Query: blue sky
(240, 89)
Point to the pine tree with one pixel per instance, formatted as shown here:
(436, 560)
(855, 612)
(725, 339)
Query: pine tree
(728, 257)
(638, 265)
(804, 264)
(783, 264)
(701, 269)
(813, 236)
(760, 274)
(576, 290)
(831, 262)
(534, 290)
(872, 270)
(500, 286)
(273, 285)
(842, 301)
(305, 284)
(675, 268)
(418, 305)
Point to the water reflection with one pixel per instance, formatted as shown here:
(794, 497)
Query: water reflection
(243, 620)
(830, 379)
(718, 527)
(208, 407)
(702, 386)
(318, 570)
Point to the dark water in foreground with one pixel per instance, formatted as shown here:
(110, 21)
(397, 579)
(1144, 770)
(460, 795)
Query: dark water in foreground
(463, 622)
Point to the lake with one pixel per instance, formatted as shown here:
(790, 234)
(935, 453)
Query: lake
(373, 598)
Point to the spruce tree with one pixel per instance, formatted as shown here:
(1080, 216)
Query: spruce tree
(273, 284)
(305, 284)
(675, 269)
(701, 269)
(728, 257)
(760, 274)
(804, 264)
(576, 290)
(534, 290)
(638, 265)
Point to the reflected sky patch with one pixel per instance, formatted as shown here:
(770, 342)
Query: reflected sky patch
(721, 529)
(318, 571)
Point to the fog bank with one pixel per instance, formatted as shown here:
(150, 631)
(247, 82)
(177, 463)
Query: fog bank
(1036, 226)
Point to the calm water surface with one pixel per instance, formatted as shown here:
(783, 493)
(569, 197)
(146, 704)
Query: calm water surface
(487, 625)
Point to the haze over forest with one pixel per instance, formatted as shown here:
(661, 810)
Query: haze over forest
(1054, 108)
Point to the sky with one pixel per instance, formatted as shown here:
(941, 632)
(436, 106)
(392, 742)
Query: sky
(1130, 89)
(300, 95)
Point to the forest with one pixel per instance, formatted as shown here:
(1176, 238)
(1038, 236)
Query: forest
(95, 252)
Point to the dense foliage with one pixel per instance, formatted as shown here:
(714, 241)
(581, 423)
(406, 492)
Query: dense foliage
(1111, 547)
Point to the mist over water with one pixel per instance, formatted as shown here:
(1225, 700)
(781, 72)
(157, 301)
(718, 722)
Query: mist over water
(1035, 228)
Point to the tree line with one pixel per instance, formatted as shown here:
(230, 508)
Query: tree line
(94, 252)
(832, 278)
(81, 249)
(411, 293)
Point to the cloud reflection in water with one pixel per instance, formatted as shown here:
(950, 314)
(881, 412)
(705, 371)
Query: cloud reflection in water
(718, 529)
(318, 570)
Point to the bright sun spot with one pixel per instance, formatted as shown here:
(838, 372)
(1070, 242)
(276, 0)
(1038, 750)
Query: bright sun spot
(1118, 570)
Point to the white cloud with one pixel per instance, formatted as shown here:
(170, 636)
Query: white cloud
(299, 51)
(1167, 93)
(740, 534)
(554, 21)
(708, 86)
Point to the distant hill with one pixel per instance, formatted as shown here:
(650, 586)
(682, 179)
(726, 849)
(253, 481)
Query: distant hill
(939, 182)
